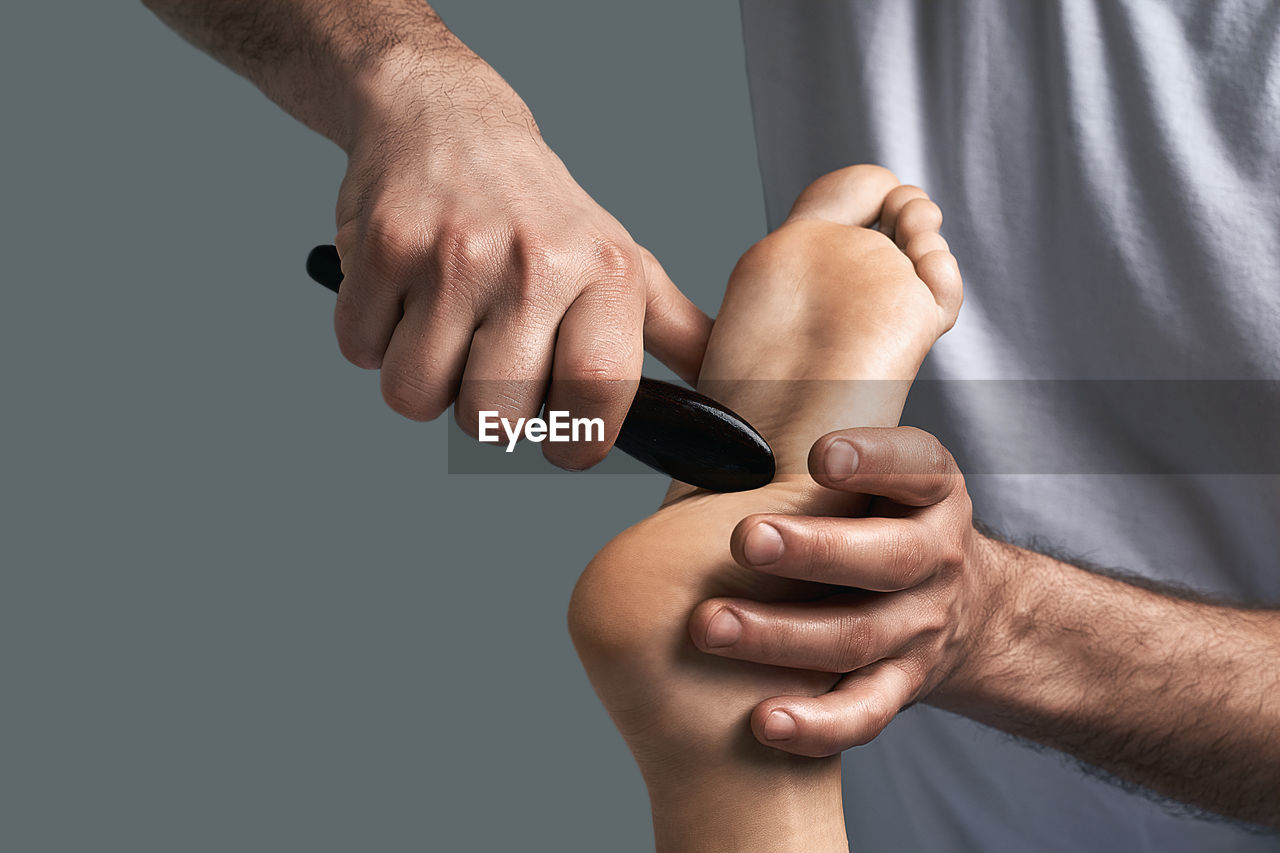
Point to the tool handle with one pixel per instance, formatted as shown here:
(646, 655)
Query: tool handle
(325, 267)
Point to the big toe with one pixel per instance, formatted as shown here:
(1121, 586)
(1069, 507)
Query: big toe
(853, 195)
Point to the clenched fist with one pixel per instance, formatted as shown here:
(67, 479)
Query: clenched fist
(478, 272)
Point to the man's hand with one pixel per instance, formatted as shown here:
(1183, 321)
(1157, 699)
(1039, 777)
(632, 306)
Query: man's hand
(472, 256)
(1155, 685)
(920, 595)
(475, 268)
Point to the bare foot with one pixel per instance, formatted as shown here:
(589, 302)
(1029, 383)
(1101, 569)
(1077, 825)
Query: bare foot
(820, 302)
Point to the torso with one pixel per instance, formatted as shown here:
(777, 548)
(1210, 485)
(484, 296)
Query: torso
(1110, 175)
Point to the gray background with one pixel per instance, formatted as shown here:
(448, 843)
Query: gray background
(242, 606)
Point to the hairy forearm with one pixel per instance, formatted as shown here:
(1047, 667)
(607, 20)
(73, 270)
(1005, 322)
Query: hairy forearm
(317, 58)
(1179, 696)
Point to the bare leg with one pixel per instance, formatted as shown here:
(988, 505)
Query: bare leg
(818, 303)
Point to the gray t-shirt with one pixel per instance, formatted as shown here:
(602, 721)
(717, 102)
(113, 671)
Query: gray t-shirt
(1110, 175)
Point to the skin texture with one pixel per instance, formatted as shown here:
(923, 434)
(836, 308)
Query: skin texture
(848, 314)
(477, 271)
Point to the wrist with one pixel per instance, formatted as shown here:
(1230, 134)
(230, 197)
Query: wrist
(438, 88)
(992, 625)
(1023, 660)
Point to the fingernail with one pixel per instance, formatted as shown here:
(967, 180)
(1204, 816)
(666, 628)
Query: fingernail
(841, 460)
(762, 545)
(779, 725)
(724, 629)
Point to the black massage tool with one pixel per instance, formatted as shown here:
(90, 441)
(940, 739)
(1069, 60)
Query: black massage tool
(675, 430)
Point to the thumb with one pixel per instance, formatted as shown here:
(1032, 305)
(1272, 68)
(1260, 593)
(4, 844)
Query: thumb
(854, 712)
(675, 330)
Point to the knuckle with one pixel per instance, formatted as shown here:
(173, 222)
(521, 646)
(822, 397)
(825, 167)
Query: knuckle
(596, 369)
(347, 237)
(935, 620)
(825, 743)
(952, 556)
(937, 459)
(466, 251)
(943, 463)
(649, 263)
(575, 456)
(871, 727)
(876, 712)
(866, 717)
(881, 715)
(361, 355)
(914, 669)
(905, 552)
(853, 637)
(824, 550)
(407, 394)
(614, 262)
(510, 398)
(390, 247)
(932, 457)
(355, 347)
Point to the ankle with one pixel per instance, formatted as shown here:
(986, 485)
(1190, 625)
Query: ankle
(776, 803)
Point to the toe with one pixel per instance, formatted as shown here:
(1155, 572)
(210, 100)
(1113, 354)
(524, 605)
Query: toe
(941, 274)
(894, 202)
(924, 243)
(854, 195)
(911, 219)
(918, 216)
